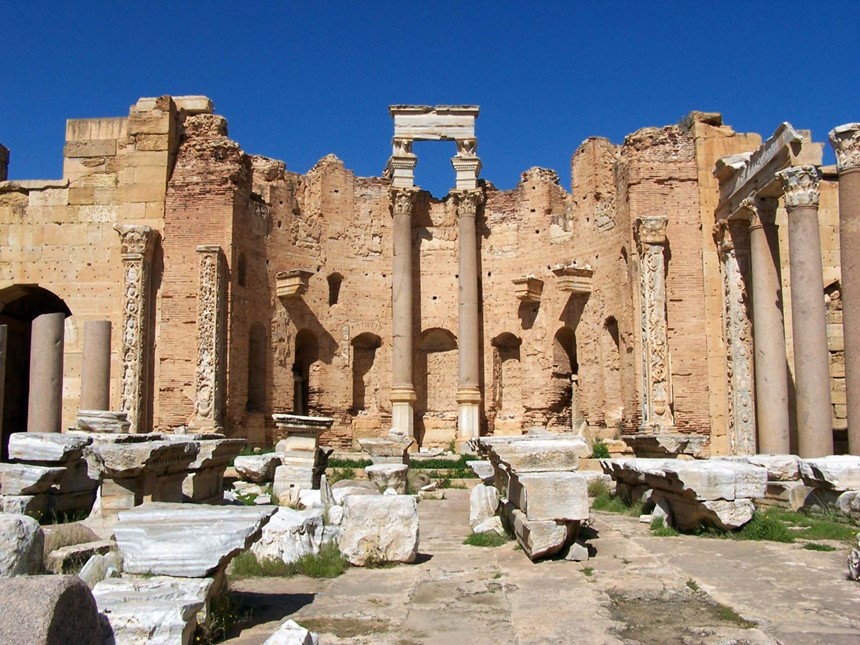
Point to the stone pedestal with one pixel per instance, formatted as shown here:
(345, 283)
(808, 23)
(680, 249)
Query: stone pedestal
(811, 355)
(45, 406)
(771, 371)
(846, 143)
(95, 366)
(299, 451)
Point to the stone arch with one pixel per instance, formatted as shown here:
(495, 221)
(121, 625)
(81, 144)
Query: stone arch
(613, 399)
(365, 376)
(334, 282)
(307, 353)
(257, 368)
(507, 404)
(564, 361)
(19, 306)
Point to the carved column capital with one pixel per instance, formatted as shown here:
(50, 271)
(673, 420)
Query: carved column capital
(651, 230)
(761, 211)
(468, 202)
(800, 184)
(401, 147)
(402, 200)
(845, 140)
(137, 241)
(467, 147)
(722, 237)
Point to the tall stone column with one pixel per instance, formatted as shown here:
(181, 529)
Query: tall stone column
(45, 404)
(211, 341)
(656, 368)
(771, 371)
(811, 356)
(4, 334)
(469, 391)
(733, 242)
(95, 366)
(846, 143)
(137, 243)
(402, 387)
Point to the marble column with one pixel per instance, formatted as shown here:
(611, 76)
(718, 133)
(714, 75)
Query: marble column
(811, 355)
(733, 242)
(657, 413)
(771, 371)
(846, 143)
(211, 341)
(137, 243)
(402, 387)
(4, 334)
(95, 366)
(468, 391)
(45, 403)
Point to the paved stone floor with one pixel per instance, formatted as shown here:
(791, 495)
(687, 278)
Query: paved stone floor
(636, 589)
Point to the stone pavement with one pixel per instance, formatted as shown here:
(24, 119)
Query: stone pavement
(636, 589)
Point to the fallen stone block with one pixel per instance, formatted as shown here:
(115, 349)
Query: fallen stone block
(379, 529)
(24, 479)
(186, 540)
(848, 504)
(48, 609)
(100, 567)
(490, 525)
(577, 553)
(385, 476)
(483, 469)
(22, 544)
(393, 449)
(32, 505)
(483, 504)
(291, 633)
(539, 538)
(290, 535)
(157, 611)
(47, 447)
(686, 514)
(529, 455)
(836, 472)
(69, 559)
(257, 468)
(550, 496)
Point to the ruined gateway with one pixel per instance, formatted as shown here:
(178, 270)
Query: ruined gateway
(237, 289)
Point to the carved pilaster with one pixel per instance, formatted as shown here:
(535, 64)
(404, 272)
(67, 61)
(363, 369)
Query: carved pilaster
(845, 140)
(137, 245)
(800, 185)
(733, 243)
(656, 365)
(211, 340)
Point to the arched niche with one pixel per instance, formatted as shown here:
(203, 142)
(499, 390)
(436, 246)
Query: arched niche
(306, 354)
(365, 376)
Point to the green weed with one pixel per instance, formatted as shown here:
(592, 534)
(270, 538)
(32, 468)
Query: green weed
(764, 526)
(329, 563)
(659, 528)
(489, 539)
(337, 474)
(599, 450)
(812, 546)
(588, 571)
(692, 585)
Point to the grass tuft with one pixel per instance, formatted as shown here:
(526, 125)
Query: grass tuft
(812, 546)
(329, 563)
(489, 539)
(588, 571)
(659, 528)
(764, 526)
(338, 474)
(692, 584)
(598, 488)
(605, 501)
(599, 450)
(726, 613)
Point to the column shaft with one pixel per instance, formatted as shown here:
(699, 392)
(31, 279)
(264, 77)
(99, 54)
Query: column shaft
(45, 404)
(95, 366)
(3, 336)
(811, 355)
(402, 388)
(846, 143)
(771, 375)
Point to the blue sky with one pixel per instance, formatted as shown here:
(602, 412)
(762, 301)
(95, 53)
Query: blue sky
(298, 80)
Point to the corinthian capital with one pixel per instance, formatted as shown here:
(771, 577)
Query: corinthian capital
(136, 239)
(402, 200)
(800, 185)
(651, 230)
(845, 140)
(468, 202)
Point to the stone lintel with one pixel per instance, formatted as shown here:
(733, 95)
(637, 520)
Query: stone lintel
(434, 123)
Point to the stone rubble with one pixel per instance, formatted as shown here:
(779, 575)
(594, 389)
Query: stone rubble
(258, 469)
(291, 633)
(483, 504)
(391, 449)
(388, 475)
(290, 535)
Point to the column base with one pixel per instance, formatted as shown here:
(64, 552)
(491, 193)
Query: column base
(402, 410)
(468, 415)
(201, 424)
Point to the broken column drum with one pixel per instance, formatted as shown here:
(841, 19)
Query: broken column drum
(656, 370)
(137, 247)
(846, 143)
(45, 407)
(811, 355)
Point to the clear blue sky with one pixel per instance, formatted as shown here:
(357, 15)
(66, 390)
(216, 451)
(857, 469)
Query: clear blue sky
(298, 80)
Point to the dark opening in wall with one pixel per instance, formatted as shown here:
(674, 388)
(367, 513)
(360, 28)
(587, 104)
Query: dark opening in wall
(241, 269)
(257, 350)
(334, 282)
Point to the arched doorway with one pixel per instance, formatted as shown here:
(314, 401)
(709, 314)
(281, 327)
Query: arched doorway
(307, 353)
(507, 405)
(436, 387)
(365, 380)
(19, 306)
(613, 400)
(565, 372)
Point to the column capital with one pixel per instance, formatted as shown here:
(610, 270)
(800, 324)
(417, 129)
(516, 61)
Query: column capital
(467, 147)
(137, 240)
(723, 237)
(845, 140)
(467, 201)
(402, 200)
(651, 230)
(761, 211)
(800, 185)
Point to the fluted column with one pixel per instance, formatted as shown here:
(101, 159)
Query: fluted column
(45, 403)
(468, 392)
(733, 243)
(811, 356)
(402, 387)
(656, 368)
(211, 341)
(137, 245)
(771, 372)
(846, 143)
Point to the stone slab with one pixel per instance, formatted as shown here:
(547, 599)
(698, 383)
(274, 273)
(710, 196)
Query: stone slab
(46, 447)
(550, 496)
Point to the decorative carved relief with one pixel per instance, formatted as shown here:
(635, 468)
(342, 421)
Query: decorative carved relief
(137, 243)
(800, 184)
(211, 340)
(401, 147)
(604, 215)
(845, 140)
(732, 240)
(656, 367)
